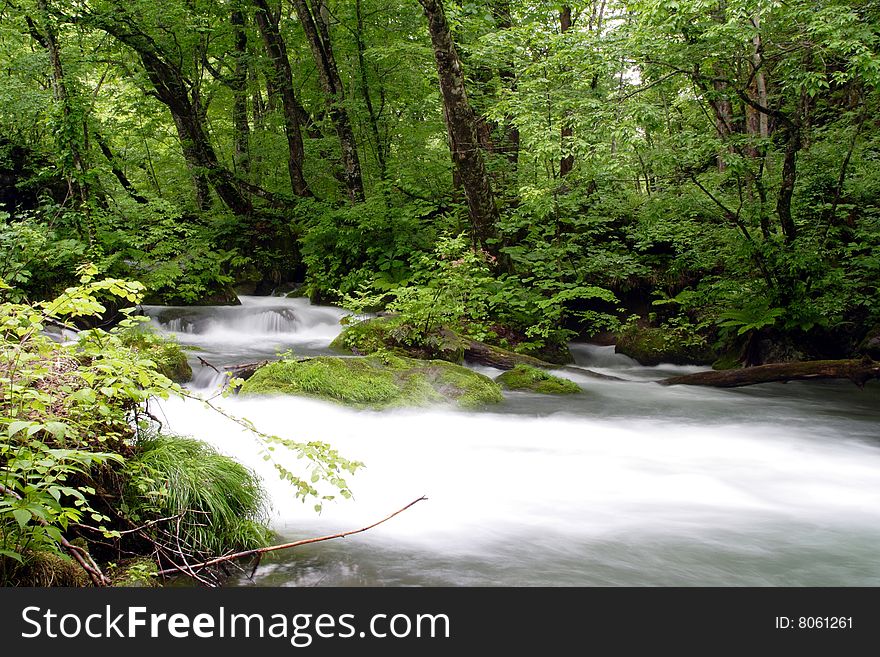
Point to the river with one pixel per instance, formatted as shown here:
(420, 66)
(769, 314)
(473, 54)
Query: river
(627, 484)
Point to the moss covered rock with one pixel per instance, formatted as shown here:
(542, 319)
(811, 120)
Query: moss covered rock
(139, 572)
(380, 381)
(43, 568)
(164, 351)
(390, 333)
(870, 346)
(654, 345)
(524, 377)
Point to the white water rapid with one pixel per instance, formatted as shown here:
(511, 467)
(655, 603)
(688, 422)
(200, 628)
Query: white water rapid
(628, 483)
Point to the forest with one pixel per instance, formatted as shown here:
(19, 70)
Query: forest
(695, 182)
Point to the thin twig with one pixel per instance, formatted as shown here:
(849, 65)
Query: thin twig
(285, 546)
(207, 364)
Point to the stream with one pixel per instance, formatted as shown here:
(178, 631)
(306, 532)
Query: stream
(627, 484)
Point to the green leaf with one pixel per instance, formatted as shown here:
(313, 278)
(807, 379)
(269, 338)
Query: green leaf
(22, 517)
(17, 426)
(12, 555)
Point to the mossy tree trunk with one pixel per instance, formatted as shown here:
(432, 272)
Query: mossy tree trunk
(462, 125)
(314, 22)
(280, 81)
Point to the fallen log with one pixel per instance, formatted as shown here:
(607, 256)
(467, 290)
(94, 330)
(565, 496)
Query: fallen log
(484, 354)
(245, 370)
(857, 371)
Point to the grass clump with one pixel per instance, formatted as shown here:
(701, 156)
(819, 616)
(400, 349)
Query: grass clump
(379, 381)
(525, 377)
(220, 503)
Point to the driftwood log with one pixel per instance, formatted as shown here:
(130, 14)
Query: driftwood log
(857, 371)
(483, 354)
(245, 370)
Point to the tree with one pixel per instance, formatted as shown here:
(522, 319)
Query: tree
(314, 20)
(461, 123)
(281, 83)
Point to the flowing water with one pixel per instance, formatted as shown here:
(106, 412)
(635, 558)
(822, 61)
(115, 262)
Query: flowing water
(628, 483)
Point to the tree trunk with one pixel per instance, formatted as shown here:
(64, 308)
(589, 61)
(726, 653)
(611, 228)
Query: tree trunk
(239, 83)
(280, 81)
(461, 122)
(789, 177)
(118, 173)
(566, 163)
(381, 148)
(757, 123)
(69, 135)
(314, 24)
(201, 186)
(509, 132)
(857, 371)
(174, 91)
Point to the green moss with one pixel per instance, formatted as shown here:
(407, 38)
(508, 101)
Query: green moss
(468, 388)
(524, 377)
(138, 572)
(170, 359)
(728, 361)
(380, 381)
(43, 568)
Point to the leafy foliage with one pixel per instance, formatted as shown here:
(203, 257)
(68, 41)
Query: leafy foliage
(72, 413)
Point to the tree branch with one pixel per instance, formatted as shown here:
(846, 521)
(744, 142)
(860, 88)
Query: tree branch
(285, 546)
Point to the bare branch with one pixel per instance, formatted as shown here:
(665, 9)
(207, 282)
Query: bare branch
(285, 546)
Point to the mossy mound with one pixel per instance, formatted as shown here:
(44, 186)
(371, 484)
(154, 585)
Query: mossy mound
(139, 572)
(165, 352)
(390, 333)
(524, 377)
(43, 568)
(653, 346)
(381, 381)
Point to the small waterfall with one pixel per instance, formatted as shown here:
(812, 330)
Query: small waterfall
(260, 328)
(594, 355)
(274, 319)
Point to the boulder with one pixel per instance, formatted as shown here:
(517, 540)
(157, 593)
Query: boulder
(870, 346)
(654, 345)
